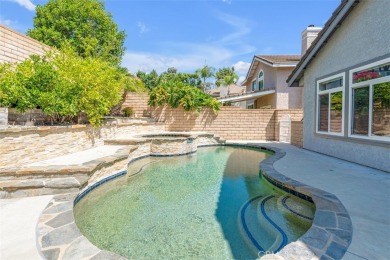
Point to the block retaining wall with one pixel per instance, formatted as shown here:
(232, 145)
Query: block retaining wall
(297, 133)
(16, 47)
(231, 123)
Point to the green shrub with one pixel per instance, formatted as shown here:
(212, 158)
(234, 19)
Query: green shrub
(180, 94)
(63, 84)
(128, 112)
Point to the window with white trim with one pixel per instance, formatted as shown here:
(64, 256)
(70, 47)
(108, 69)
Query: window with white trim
(370, 101)
(261, 80)
(330, 105)
(253, 85)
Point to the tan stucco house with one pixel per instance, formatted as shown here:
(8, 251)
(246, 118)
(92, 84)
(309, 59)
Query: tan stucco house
(345, 76)
(267, 76)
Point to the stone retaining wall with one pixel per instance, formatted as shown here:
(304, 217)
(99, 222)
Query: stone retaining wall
(3, 117)
(35, 117)
(20, 146)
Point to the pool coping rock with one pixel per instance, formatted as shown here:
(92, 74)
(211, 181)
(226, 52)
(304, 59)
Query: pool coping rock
(331, 232)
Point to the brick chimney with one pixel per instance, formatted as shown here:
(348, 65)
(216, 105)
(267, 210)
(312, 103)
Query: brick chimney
(308, 36)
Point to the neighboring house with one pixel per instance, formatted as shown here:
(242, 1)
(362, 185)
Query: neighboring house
(346, 79)
(230, 91)
(266, 80)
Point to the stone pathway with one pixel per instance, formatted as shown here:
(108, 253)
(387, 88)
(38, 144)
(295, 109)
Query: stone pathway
(59, 237)
(82, 157)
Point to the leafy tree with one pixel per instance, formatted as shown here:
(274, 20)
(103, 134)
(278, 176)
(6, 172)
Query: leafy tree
(171, 76)
(205, 73)
(8, 90)
(63, 84)
(84, 24)
(182, 95)
(151, 80)
(228, 79)
(172, 70)
(226, 76)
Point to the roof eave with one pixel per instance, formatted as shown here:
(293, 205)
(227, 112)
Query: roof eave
(330, 27)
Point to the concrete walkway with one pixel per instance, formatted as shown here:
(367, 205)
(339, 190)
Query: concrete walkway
(365, 192)
(18, 223)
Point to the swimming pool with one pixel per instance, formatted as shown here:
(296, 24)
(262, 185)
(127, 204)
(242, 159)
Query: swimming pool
(210, 204)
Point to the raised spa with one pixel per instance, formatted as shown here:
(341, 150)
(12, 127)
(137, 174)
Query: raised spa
(211, 204)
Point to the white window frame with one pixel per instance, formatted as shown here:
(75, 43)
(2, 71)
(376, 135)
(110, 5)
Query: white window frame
(370, 84)
(329, 92)
(258, 79)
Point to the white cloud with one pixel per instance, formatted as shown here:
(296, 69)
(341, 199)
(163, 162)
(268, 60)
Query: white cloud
(227, 1)
(142, 28)
(189, 56)
(240, 25)
(241, 67)
(195, 57)
(26, 4)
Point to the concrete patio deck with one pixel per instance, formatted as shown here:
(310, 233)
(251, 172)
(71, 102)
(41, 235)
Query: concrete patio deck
(365, 193)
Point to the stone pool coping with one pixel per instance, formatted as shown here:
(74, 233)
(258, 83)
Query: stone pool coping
(138, 138)
(327, 238)
(331, 232)
(58, 178)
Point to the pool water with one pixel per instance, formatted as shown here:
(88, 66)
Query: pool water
(210, 205)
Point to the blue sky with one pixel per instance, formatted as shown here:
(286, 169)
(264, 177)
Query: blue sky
(189, 34)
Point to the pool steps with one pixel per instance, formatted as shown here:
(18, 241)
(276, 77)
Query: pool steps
(264, 220)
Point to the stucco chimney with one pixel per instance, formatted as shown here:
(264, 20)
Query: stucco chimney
(308, 36)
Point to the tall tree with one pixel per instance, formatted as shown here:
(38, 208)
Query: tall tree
(228, 80)
(151, 80)
(205, 73)
(226, 76)
(84, 24)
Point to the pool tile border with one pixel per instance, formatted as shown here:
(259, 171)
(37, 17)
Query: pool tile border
(328, 238)
(331, 232)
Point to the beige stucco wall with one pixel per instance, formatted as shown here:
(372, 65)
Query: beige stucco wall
(285, 97)
(268, 100)
(269, 77)
(363, 36)
(16, 47)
